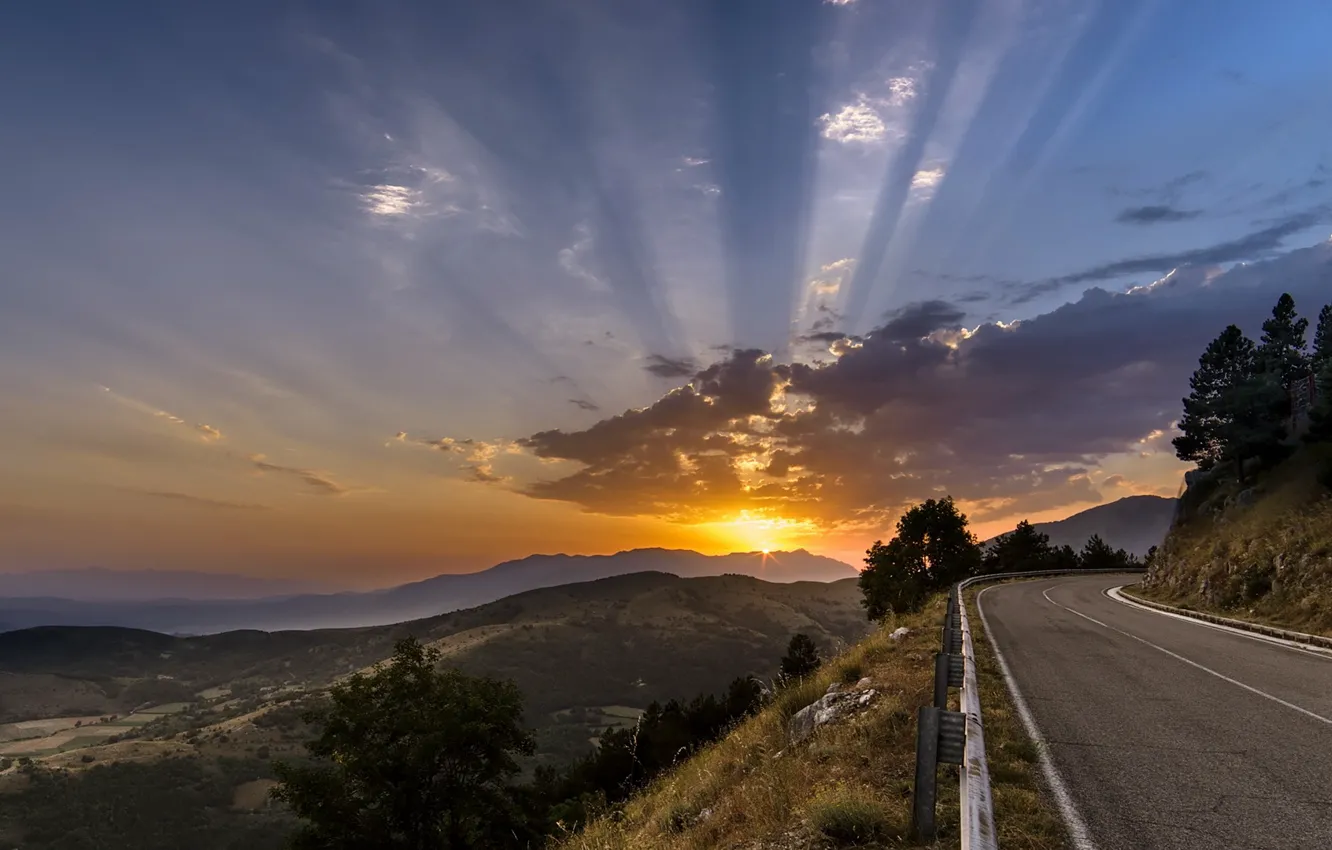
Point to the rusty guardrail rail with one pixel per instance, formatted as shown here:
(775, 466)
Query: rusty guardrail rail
(958, 737)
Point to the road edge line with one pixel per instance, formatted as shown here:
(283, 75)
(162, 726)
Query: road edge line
(1078, 833)
(1254, 633)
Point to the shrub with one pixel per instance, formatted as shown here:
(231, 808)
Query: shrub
(850, 816)
(851, 673)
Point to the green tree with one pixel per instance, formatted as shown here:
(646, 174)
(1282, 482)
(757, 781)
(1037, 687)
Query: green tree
(1226, 364)
(1065, 558)
(1098, 555)
(1322, 341)
(801, 659)
(411, 757)
(1281, 348)
(1022, 549)
(933, 548)
(1320, 416)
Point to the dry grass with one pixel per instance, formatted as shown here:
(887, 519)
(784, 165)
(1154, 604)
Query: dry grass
(1023, 811)
(848, 786)
(1269, 561)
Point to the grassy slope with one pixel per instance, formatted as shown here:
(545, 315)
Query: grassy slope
(759, 791)
(1269, 560)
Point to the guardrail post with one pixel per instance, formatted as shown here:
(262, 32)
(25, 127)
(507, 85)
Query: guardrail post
(927, 765)
(941, 679)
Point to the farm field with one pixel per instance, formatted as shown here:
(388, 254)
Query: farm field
(52, 735)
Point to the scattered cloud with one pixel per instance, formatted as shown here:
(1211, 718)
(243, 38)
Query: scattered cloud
(855, 123)
(670, 367)
(208, 433)
(318, 481)
(202, 501)
(925, 181)
(1249, 247)
(584, 404)
(901, 90)
(389, 200)
(1154, 214)
(574, 259)
(693, 162)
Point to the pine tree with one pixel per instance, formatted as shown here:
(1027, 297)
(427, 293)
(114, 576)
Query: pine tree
(1022, 549)
(1320, 416)
(1282, 347)
(1322, 341)
(1226, 364)
(801, 659)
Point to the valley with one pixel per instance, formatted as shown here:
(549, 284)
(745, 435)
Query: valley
(587, 657)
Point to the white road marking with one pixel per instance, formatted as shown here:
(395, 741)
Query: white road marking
(1306, 649)
(1077, 828)
(1223, 677)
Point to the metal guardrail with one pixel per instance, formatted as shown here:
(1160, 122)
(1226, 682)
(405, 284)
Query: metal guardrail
(958, 737)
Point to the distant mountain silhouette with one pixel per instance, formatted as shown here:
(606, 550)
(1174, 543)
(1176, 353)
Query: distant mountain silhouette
(413, 601)
(99, 584)
(1134, 523)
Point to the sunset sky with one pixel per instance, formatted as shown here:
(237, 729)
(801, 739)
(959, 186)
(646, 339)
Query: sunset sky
(370, 291)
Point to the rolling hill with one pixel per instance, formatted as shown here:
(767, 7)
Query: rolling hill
(623, 640)
(409, 601)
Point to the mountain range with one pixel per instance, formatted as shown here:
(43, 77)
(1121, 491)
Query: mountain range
(1134, 523)
(413, 601)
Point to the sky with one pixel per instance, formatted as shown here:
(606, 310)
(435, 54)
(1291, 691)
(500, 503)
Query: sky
(371, 291)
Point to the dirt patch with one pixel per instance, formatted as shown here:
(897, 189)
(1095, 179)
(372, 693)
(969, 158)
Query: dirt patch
(253, 796)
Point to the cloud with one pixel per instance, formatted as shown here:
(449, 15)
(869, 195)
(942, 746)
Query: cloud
(318, 481)
(901, 90)
(478, 455)
(855, 123)
(670, 367)
(574, 259)
(202, 501)
(208, 433)
(1249, 247)
(1012, 419)
(389, 200)
(1155, 214)
(583, 404)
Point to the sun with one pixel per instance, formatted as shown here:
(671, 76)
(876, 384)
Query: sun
(767, 551)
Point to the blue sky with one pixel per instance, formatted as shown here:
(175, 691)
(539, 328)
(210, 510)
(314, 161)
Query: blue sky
(334, 233)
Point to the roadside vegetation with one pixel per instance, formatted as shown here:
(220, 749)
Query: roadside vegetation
(1253, 537)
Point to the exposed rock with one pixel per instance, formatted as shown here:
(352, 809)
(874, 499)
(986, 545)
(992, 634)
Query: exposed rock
(832, 707)
(863, 683)
(833, 688)
(899, 633)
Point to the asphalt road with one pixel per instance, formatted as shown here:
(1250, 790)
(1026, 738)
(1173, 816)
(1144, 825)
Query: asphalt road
(1155, 751)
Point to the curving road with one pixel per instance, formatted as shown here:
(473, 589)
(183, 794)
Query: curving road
(1164, 733)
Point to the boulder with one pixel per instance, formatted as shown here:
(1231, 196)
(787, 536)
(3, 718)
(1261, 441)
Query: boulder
(899, 633)
(832, 707)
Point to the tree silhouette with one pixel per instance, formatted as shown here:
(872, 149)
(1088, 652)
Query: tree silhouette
(1208, 416)
(1281, 347)
(1320, 416)
(1099, 555)
(1022, 549)
(801, 659)
(410, 757)
(932, 549)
